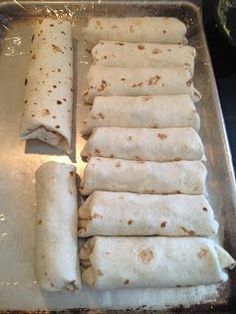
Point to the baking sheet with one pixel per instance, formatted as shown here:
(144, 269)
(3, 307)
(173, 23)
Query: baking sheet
(18, 287)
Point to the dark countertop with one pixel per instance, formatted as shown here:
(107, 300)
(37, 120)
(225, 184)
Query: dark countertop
(223, 57)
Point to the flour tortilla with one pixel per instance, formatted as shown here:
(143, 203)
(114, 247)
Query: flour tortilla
(153, 262)
(48, 85)
(163, 111)
(160, 145)
(166, 30)
(56, 256)
(118, 175)
(119, 214)
(123, 54)
(146, 81)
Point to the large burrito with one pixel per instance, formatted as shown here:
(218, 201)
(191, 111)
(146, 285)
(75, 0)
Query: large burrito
(153, 262)
(170, 144)
(118, 214)
(164, 30)
(48, 85)
(131, 81)
(123, 54)
(56, 257)
(147, 177)
(164, 111)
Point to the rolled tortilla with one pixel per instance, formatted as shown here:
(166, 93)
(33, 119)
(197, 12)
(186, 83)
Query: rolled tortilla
(164, 111)
(123, 54)
(147, 177)
(145, 144)
(153, 262)
(48, 85)
(164, 30)
(56, 258)
(119, 214)
(117, 81)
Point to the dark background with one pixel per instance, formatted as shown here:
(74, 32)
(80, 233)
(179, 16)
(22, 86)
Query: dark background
(223, 57)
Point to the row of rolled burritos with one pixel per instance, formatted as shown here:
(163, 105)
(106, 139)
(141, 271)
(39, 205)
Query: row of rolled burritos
(129, 70)
(119, 190)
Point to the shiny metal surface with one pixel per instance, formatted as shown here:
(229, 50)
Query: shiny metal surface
(18, 288)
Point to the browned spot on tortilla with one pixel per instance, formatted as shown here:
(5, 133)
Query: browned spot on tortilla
(118, 164)
(57, 49)
(32, 38)
(63, 33)
(105, 57)
(40, 69)
(97, 151)
(32, 115)
(51, 25)
(202, 253)
(138, 158)
(113, 27)
(107, 253)
(146, 98)
(39, 222)
(119, 44)
(161, 136)
(59, 102)
(30, 51)
(99, 272)
(33, 57)
(146, 255)
(101, 115)
(57, 126)
(163, 224)
(190, 233)
(111, 156)
(54, 117)
(46, 112)
(178, 286)
(99, 24)
(164, 32)
(131, 29)
(130, 222)
(178, 192)
(155, 51)
(141, 162)
(205, 209)
(153, 80)
(187, 64)
(168, 49)
(137, 84)
(26, 81)
(71, 173)
(189, 82)
(95, 215)
(141, 47)
(126, 282)
(26, 101)
(86, 93)
(68, 110)
(177, 159)
(43, 256)
(102, 86)
(122, 79)
(71, 191)
(129, 138)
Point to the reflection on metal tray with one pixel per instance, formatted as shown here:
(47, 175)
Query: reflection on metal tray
(18, 288)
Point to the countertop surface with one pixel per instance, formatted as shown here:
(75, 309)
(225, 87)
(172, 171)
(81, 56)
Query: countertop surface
(223, 57)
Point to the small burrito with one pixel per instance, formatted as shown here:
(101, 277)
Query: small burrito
(56, 258)
(145, 144)
(48, 85)
(165, 30)
(119, 214)
(146, 177)
(153, 262)
(123, 54)
(117, 81)
(164, 111)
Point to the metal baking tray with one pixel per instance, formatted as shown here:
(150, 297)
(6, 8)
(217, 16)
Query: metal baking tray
(18, 288)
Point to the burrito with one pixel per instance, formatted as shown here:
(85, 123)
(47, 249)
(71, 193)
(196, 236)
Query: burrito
(119, 214)
(117, 81)
(123, 54)
(56, 258)
(49, 85)
(144, 177)
(153, 262)
(165, 30)
(164, 111)
(145, 144)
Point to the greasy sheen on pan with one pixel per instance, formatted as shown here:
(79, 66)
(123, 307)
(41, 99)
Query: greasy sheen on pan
(163, 111)
(171, 144)
(124, 54)
(153, 262)
(48, 84)
(165, 30)
(148, 177)
(123, 213)
(56, 256)
(134, 81)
